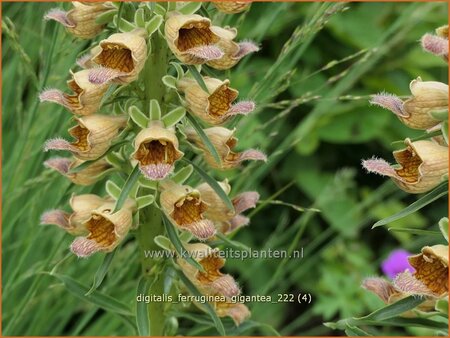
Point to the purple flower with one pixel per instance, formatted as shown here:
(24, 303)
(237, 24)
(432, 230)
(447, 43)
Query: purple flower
(396, 262)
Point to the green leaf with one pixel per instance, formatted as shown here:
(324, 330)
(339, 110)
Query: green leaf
(185, 237)
(190, 7)
(170, 81)
(145, 201)
(442, 306)
(432, 196)
(183, 174)
(128, 186)
(146, 183)
(443, 226)
(139, 17)
(394, 309)
(444, 129)
(101, 272)
(105, 17)
(178, 245)
(198, 77)
(441, 115)
(233, 244)
(206, 306)
(174, 116)
(159, 10)
(138, 117)
(153, 24)
(204, 138)
(142, 321)
(163, 242)
(154, 110)
(112, 189)
(212, 183)
(354, 331)
(124, 25)
(415, 231)
(96, 298)
(179, 69)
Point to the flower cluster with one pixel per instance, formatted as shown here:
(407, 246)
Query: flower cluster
(120, 137)
(421, 166)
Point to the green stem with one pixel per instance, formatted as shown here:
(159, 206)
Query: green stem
(150, 217)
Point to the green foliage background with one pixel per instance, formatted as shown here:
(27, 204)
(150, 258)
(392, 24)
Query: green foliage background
(312, 80)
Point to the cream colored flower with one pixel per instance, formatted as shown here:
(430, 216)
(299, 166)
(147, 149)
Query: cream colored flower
(156, 150)
(120, 59)
(232, 7)
(186, 208)
(215, 107)
(85, 99)
(421, 166)
(237, 311)
(106, 229)
(211, 281)
(73, 223)
(86, 176)
(226, 219)
(427, 97)
(93, 136)
(81, 19)
(224, 141)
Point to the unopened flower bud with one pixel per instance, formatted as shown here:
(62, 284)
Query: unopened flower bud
(93, 136)
(421, 166)
(156, 150)
(215, 107)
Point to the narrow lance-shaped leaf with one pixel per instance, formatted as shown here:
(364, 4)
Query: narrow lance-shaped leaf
(101, 272)
(143, 324)
(112, 189)
(128, 186)
(138, 116)
(204, 138)
(198, 77)
(174, 116)
(154, 110)
(432, 196)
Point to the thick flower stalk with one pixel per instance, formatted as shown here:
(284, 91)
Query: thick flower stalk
(130, 124)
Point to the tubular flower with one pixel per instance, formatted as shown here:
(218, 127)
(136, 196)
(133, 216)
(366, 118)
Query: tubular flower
(427, 97)
(215, 107)
(192, 38)
(430, 279)
(224, 142)
(421, 166)
(80, 21)
(85, 99)
(85, 176)
(237, 311)
(228, 220)
(156, 150)
(186, 208)
(93, 136)
(73, 223)
(211, 281)
(120, 58)
(232, 7)
(106, 229)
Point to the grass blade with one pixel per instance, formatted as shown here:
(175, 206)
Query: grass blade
(395, 309)
(128, 186)
(178, 245)
(101, 272)
(198, 128)
(143, 324)
(432, 196)
(198, 77)
(212, 183)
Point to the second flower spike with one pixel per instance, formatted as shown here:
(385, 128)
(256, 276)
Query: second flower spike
(156, 150)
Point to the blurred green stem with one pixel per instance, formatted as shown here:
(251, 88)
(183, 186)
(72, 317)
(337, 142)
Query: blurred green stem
(150, 217)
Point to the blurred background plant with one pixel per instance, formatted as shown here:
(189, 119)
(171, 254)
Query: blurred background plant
(318, 66)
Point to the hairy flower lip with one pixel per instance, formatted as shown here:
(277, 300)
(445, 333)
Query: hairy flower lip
(421, 166)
